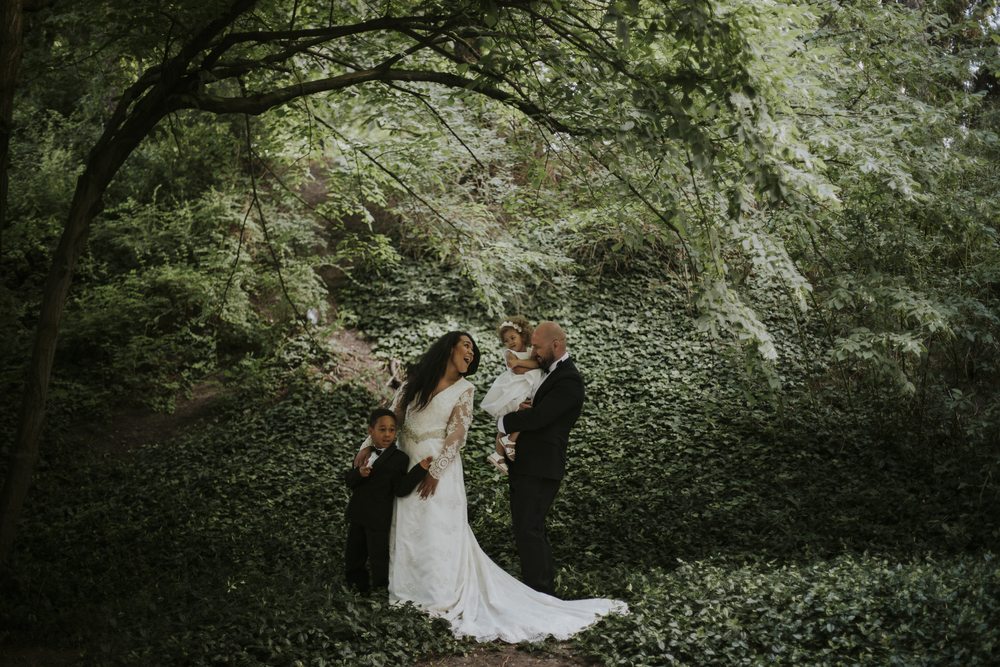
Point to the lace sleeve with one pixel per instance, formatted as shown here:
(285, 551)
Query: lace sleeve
(396, 408)
(454, 434)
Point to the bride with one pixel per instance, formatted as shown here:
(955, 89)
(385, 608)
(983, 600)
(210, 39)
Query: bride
(435, 561)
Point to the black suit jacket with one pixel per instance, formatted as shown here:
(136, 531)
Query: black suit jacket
(545, 426)
(371, 500)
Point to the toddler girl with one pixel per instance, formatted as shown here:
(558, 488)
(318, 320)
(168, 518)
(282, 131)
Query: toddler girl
(510, 389)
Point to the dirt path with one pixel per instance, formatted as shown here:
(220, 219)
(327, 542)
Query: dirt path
(508, 656)
(511, 656)
(138, 428)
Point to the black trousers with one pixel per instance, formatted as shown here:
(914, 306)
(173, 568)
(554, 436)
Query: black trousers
(530, 500)
(367, 545)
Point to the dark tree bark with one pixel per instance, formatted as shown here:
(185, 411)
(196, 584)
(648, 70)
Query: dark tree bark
(11, 49)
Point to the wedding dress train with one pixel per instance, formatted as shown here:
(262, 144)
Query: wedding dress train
(436, 561)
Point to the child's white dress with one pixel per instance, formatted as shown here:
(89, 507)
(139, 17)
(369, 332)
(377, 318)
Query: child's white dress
(509, 389)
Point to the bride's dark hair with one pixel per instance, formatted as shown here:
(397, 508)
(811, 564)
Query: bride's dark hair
(422, 378)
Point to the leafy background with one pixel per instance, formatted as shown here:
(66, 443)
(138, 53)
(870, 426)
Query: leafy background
(783, 296)
(738, 532)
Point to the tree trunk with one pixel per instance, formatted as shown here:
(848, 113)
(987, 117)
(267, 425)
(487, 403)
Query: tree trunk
(102, 165)
(122, 135)
(86, 204)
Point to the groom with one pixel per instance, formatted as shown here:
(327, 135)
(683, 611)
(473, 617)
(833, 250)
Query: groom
(539, 464)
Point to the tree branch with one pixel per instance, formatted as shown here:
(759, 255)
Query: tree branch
(430, 107)
(262, 102)
(319, 35)
(393, 176)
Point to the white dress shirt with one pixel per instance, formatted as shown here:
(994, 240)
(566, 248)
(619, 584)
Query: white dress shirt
(374, 456)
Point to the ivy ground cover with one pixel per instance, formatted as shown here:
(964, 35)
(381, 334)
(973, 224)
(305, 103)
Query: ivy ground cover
(742, 529)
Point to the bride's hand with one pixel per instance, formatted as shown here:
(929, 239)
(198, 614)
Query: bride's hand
(427, 487)
(362, 457)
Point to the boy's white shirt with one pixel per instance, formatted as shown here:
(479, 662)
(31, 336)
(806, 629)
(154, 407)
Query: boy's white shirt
(374, 456)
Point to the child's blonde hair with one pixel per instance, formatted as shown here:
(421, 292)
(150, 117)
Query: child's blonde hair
(518, 324)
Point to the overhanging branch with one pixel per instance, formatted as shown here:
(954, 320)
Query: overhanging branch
(262, 102)
(317, 35)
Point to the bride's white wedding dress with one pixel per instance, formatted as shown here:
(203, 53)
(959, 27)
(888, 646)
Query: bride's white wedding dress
(436, 561)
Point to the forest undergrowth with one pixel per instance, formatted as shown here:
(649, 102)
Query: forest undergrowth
(741, 527)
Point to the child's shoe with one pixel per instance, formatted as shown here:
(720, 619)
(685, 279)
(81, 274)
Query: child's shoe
(508, 446)
(498, 462)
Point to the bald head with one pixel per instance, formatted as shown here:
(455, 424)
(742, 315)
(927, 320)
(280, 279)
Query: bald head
(550, 331)
(548, 343)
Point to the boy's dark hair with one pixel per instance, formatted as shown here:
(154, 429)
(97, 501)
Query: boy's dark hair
(378, 413)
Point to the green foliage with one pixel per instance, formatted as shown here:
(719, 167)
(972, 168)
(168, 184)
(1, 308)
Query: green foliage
(853, 610)
(178, 281)
(800, 540)
(778, 223)
(815, 147)
(168, 293)
(234, 555)
(722, 472)
(471, 202)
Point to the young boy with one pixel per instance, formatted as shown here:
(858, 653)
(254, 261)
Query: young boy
(369, 511)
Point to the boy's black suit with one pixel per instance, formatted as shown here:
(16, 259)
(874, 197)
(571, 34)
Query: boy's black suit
(369, 514)
(539, 467)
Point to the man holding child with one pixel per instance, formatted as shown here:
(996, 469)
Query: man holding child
(535, 474)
